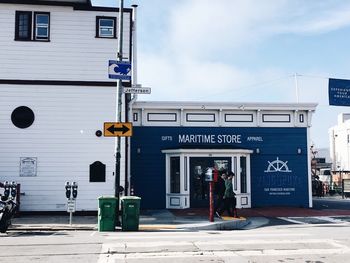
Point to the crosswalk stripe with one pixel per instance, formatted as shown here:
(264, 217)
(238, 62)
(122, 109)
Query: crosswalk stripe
(301, 220)
(288, 219)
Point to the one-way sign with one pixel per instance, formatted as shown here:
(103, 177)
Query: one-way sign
(117, 129)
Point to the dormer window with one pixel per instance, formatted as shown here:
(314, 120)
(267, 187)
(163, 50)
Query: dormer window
(106, 27)
(32, 26)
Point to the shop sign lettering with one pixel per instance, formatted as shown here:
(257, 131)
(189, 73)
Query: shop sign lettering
(210, 138)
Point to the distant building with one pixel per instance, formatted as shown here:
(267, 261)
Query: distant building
(339, 138)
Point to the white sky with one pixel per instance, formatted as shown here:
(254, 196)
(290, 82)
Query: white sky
(244, 51)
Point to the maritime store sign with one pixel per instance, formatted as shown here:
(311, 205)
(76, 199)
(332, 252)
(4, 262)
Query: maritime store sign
(211, 138)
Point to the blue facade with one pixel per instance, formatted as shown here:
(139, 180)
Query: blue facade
(285, 186)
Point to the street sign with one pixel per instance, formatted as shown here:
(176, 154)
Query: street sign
(137, 90)
(70, 205)
(117, 129)
(339, 92)
(119, 70)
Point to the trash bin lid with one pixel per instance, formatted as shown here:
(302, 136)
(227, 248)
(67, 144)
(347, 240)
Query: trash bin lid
(130, 198)
(107, 197)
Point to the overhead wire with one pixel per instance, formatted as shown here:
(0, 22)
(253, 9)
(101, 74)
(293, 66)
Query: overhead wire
(250, 86)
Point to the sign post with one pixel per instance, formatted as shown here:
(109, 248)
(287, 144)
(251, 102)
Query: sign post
(209, 178)
(71, 195)
(211, 201)
(70, 209)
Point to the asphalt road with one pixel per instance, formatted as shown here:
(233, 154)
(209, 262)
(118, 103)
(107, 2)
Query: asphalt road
(284, 239)
(280, 243)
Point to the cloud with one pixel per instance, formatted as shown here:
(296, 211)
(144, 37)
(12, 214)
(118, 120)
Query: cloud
(189, 52)
(205, 28)
(193, 80)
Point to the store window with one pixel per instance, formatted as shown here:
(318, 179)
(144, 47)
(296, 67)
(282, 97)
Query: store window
(243, 163)
(174, 175)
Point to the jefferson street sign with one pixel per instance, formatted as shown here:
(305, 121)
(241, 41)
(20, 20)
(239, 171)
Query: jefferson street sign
(119, 70)
(117, 129)
(137, 90)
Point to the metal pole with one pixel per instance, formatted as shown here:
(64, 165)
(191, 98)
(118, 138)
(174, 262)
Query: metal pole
(133, 99)
(296, 86)
(334, 164)
(342, 184)
(119, 108)
(211, 202)
(70, 218)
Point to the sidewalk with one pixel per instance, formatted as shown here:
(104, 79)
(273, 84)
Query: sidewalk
(150, 220)
(187, 219)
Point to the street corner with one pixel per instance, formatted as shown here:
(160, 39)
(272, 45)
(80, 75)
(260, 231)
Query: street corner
(232, 223)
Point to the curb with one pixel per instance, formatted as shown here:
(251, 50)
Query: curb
(221, 225)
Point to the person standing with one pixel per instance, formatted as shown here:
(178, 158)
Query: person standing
(229, 196)
(220, 191)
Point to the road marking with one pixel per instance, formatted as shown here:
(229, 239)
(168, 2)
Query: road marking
(288, 219)
(207, 256)
(93, 233)
(301, 220)
(188, 235)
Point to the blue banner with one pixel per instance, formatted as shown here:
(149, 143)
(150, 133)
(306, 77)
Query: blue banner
(339, 92)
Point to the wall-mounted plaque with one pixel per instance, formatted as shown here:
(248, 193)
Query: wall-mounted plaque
(28, 166)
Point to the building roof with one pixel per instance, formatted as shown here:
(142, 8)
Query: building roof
(48, 2)
(225, 105)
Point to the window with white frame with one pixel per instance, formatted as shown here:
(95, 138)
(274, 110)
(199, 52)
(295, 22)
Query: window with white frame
(42, 21)
(106, 27)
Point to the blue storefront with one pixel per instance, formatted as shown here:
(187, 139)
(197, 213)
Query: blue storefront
(270, 163)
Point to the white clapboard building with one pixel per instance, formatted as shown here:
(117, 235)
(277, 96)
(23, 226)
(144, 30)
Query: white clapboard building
(55, 95)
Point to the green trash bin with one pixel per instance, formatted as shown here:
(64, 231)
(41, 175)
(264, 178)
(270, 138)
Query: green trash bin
(107, 206)
(130, 213)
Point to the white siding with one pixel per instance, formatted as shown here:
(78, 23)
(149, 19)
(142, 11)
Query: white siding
(73, 52)
(62, 138)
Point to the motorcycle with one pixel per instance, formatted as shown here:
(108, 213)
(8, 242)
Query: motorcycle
(8, 206)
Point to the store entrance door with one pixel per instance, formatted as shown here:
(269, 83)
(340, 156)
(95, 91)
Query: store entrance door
(199, 188)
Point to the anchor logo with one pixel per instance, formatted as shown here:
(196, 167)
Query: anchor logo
(277, 166)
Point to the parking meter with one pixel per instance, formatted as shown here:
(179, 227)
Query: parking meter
(68, 190)
(13, 187)
(7, 190)
(75, 189)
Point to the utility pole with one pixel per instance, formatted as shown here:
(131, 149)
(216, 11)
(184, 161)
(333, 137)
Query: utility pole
(296, 86)
(119, 107)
